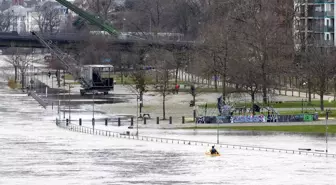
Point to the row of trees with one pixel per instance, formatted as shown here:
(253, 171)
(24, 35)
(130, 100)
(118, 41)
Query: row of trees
(249, 43)
(246, 43)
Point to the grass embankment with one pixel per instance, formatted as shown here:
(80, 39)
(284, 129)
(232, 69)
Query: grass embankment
(285, 128)
(11, 84)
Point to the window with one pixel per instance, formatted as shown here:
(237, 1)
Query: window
(327, 22)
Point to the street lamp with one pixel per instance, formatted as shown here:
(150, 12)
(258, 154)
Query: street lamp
(69, 105)
(93, 99)
(124, 19)
(326, 129)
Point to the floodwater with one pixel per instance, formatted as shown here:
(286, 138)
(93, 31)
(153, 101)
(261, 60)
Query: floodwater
(35, 151)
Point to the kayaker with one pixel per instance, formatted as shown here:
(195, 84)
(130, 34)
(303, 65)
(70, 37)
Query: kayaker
(213, 150)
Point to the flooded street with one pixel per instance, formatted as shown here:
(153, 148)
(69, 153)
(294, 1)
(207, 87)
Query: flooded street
(35, 151)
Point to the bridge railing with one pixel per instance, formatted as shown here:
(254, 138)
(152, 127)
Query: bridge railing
(88, 130)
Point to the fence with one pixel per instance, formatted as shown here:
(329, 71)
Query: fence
(87, 130)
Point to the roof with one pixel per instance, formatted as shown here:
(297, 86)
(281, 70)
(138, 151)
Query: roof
(18, 10)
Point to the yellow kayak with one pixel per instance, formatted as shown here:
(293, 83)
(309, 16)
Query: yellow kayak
(212, 155)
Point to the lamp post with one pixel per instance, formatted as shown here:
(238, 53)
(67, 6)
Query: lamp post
(93, 99)
(217, 132)
(124, 19)
(52, 87)
(137, 117)
(326, 129)
(69, 105)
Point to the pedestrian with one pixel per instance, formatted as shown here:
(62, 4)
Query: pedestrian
(177, 87)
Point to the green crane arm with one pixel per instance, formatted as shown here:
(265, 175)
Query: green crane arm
(91, 18)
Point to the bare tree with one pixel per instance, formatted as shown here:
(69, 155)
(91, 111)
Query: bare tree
(322, 67)
(24, 62)
(163, 62)
(14, 60)
(48, 18)
(103, 9)
(6, 20)
(148, 15)
(265, 30)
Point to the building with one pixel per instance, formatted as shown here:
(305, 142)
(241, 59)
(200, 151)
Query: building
(19, 14)
(315, 22)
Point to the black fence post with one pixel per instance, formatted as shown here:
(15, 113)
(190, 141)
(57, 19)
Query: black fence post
(170, 120)
(145, 120)
(183, 120)
(194, 115)
(105, 121)
(132, 121)
(80, 121)
(157, 120)
(119, 123)
(67, 122)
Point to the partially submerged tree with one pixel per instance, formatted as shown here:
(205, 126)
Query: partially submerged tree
(14, 60)
(163, 63)
(23, 64)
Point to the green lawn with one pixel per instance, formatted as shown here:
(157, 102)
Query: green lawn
(287, 104)
(294, 128)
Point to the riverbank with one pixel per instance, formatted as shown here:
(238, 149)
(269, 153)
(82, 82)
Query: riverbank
(319, 129)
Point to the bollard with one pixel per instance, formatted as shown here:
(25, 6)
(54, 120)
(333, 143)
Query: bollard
(145, 119)
(131, 121)
(183, 120)
(80, 121)
(105, 121)
(67, 122)
(119, 122)
(157, 120)
(170, 120)
(56, 121)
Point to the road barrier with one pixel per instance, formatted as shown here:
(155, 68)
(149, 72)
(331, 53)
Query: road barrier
(127, 135)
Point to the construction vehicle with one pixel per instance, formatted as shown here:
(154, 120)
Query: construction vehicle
(98, 77)
(93, 78)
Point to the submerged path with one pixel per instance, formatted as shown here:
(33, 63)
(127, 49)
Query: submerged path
(92, 131)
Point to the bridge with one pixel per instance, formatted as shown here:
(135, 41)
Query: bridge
(70, 41)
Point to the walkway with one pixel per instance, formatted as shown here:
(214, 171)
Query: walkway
(87, 130)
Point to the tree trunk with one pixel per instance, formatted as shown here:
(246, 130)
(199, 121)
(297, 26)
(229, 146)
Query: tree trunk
(216, 87)
(15, 74)
(321, 100)
(23, 83)
(141, 102)
(264, 86)
(164, 106)
(224, 87)
(252, 101)
(58, 77)
(309, 90)
(176, 74)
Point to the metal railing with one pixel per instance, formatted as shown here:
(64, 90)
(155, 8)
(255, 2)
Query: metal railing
(88, 130)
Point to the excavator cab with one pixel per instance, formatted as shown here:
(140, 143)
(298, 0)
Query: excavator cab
(98, 78)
